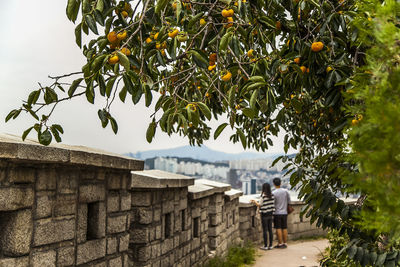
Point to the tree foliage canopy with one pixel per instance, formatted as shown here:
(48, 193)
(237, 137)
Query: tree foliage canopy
(324, 71)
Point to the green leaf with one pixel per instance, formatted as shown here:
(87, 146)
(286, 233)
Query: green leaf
(55, 134)
(223, 45)
(200, 60)
(45, 137)
(72, 9)
(102, 85)
(124, 60)
(103, 117)
(122, 94)
(78, 35)
(100, 5)
(110, 85)
(231, 97)
(58, 127)
(114, 125)
(248, 112)
(381, 259)
(219, 130)
(242, 137)
(204, 109)
(91, 23)
(26, 132)
(147, 96)
(351, 251)
(98, 63)
(161, 4)
(98, 16)
(90, 93)
(151, 130)
(253, 100)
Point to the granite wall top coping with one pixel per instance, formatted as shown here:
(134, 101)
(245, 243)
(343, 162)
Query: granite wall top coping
(219, 187)
(12, 147)
(159, 179)
(233, 193)
(199, 190)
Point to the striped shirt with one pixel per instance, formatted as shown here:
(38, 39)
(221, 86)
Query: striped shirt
(267, 205)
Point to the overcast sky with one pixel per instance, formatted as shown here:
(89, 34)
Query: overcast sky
(37, 40)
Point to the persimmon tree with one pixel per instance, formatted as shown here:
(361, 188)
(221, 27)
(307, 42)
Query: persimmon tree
(262, 66)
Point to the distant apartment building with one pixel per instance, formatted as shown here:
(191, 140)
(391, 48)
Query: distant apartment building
(256, 164)
(192, 168)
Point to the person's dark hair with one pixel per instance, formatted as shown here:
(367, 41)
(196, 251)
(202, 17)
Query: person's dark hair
(266, 190)
(277, 181)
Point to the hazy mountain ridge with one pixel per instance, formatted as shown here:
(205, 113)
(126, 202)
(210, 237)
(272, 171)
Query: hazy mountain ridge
(200, 153)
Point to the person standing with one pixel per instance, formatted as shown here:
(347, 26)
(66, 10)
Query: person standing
(266, 208)
(282, 199)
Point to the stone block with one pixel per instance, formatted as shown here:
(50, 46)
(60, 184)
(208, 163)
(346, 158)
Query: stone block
(91, 193)
(141, 198)
(16, 232)
(139, 236)
(14, 262)
(167, 206)
(112, 203)
(91, 250)
(195, 212)
(68, 182)
(167, 245)
(158, 232)
(116, 224)
(156, 251)
(116, 262)
(66, 256)
(143, 253)
(114, 181)
(21, 175)
(65, 205)
(44, 259)
(214, 209)
(156, 214)
(13, 198)
(111, 245)
(48, 231)
(123, 243)
(125, 201)
(143, 215)
(44, 205)
(82, 218)
(46, 179)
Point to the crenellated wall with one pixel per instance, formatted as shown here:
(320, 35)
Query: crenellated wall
(74, 206)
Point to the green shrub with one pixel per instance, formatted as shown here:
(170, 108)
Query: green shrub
(237, 256)
(332, 256)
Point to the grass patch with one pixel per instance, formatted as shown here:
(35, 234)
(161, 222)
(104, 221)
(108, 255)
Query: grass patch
(237, 256)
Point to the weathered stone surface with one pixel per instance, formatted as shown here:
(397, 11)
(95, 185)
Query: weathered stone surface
(159, 179)
(66, 256)
(111, 245)
(140, 236)
(48, 231)
(68, 182)
(46, 179)
(65, 205)
(22, 175)
(82, 223)
(117, 262)
(112, 203)
(91, 193)
(43, 206)
(15, 262)
(13, 198)
(114, 181)
(16, 232)
(41, 259)
(116, 224)
(125, 201)
(91, 250)
(143, 253)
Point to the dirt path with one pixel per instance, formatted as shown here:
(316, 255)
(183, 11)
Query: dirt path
(298, 254)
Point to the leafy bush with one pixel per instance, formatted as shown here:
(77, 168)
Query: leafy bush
(332, 256)
(237, 256)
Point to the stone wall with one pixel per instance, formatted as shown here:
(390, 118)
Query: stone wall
(63, 207)
(74, 206)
